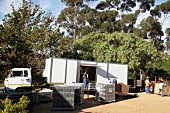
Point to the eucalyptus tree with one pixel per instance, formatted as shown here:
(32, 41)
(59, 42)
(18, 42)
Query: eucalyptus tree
(28, 36)
(73, 17)
(128, 21)
(150, 28)
(159, 15)
(79, 19)
(125, 18)
(167, 39)
(162, 12)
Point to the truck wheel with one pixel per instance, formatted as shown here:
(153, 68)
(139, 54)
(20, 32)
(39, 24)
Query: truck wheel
(5, 91)
(20, 90)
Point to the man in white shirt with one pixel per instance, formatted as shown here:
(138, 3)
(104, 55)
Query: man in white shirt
(161, 85)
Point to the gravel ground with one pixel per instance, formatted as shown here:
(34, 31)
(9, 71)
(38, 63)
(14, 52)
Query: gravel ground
(144, 103)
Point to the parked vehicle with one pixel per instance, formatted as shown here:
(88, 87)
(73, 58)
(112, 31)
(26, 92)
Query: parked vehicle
(19, 79)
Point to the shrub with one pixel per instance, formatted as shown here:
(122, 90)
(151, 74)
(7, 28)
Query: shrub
(7, 105)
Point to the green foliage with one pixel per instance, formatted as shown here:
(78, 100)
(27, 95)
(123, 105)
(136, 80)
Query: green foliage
(7, 105)
(165, 66)
(28, 37)
(122, 48)
(168, 31)
(79, 19)
(151, 28)
(128, 21)
(73, 17)
(122, 5)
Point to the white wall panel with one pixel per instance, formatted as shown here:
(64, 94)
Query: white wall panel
(58, 70)
(71, 71)
(119, 71)
(101, 72)
(47, 69)
(88, 63)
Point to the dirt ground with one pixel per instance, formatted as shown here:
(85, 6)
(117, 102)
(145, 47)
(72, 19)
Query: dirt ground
(143, 103)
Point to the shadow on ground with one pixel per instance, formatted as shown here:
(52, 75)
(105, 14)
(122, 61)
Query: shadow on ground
(88, 103)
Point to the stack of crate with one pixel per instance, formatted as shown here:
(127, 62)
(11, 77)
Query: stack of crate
(63, 97)
(79, 93)
(105, 92)
(42, 96)
(91, 86)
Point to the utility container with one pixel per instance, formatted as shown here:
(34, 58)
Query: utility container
(63, 97)
(79, 93)
(105, 92)
(42, 96)
(91, 86)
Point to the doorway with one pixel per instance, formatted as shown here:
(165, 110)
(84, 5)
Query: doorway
(91, 73)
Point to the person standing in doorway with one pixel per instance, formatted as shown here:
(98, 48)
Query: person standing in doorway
(85, 80)
(147, 83)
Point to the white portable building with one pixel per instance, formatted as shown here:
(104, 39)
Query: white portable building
(62, 70)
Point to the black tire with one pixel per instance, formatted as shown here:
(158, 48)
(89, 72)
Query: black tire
(20, 90)
(5, 91)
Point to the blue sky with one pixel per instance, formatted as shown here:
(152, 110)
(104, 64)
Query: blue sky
(55, 6)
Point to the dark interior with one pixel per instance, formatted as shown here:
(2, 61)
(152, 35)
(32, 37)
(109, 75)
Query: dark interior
(91, 71)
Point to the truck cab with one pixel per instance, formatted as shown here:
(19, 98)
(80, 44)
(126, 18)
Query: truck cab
(19, 79)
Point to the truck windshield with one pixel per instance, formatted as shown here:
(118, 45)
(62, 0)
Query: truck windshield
(17, 74)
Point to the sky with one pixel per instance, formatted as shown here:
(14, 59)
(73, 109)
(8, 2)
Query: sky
(55, 6)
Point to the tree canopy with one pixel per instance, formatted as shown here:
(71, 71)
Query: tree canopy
(122, 48)
(27, 37)
(107, 32)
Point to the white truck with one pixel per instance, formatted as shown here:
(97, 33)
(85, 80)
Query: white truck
(19, 79)
(61, 70)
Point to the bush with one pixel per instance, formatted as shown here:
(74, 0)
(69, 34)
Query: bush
(7, 105)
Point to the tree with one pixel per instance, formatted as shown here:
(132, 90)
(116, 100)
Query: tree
(122, 48)
(28, 36)
(163, 8)
(121, 5)
(150, 28)
(128, 21)
(167, 39)
(162, 12)
(72, 18)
